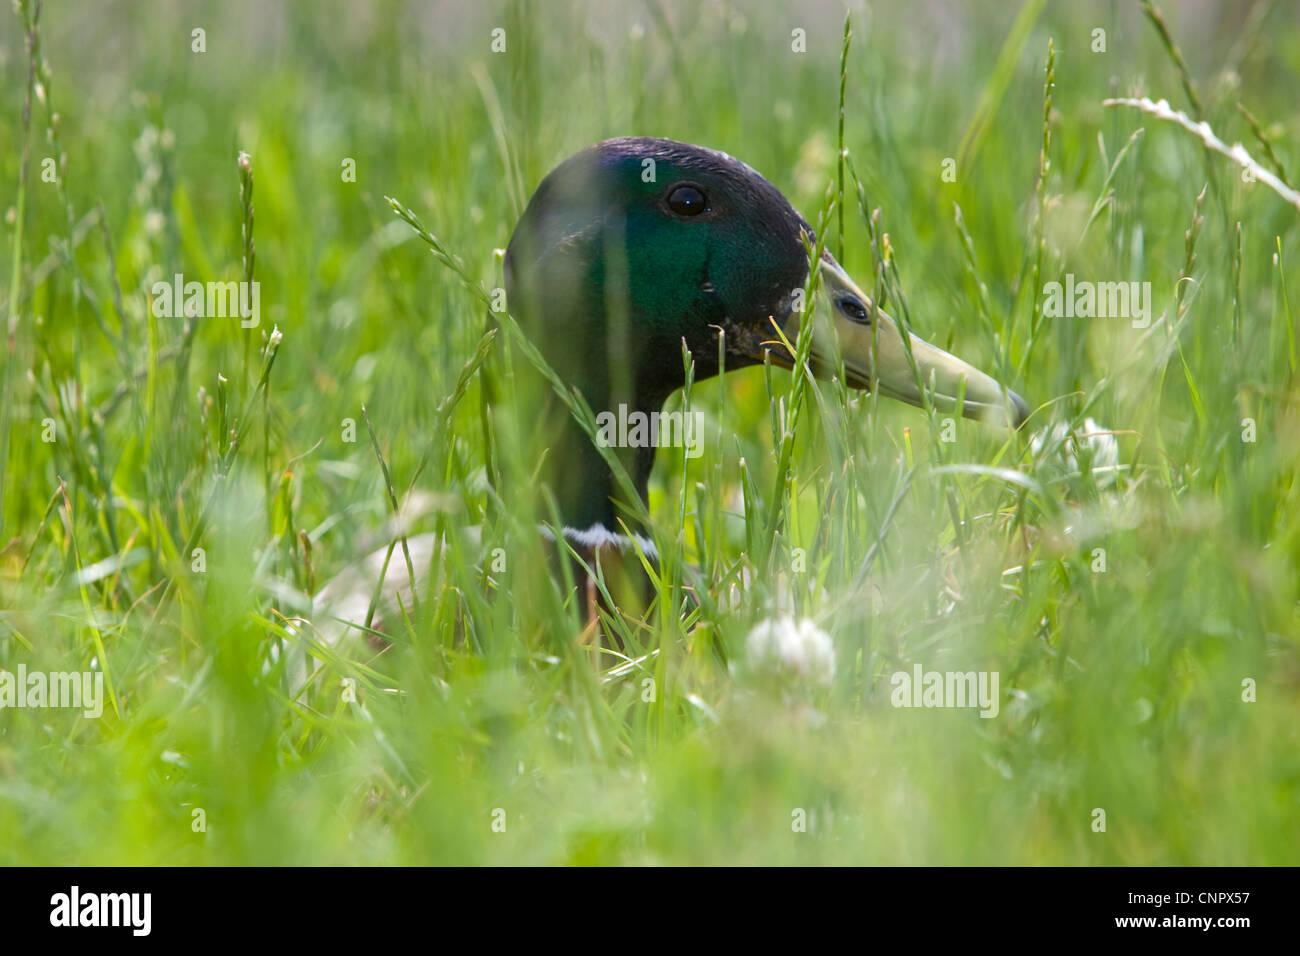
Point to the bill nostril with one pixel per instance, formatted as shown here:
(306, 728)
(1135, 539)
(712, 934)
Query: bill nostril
(853, 308)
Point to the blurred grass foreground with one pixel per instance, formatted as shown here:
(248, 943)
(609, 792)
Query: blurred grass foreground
(175, 488)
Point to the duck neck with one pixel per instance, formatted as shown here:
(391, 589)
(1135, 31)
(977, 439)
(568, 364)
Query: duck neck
(591, 501)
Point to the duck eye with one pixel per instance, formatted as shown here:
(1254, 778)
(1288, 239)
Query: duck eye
(687, 201)
(853, 309)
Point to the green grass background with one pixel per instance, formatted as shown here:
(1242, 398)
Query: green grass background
(1122, 690)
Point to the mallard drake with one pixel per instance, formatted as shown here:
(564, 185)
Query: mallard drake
(630, 249)
(635, 246)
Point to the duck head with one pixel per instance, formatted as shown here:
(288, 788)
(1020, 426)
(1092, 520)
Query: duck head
(635, 246)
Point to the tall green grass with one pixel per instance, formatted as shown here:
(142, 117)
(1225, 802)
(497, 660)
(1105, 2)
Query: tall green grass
(1122, 689)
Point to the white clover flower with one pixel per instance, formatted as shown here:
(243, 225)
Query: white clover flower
(1090, 441)
(788, 648)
